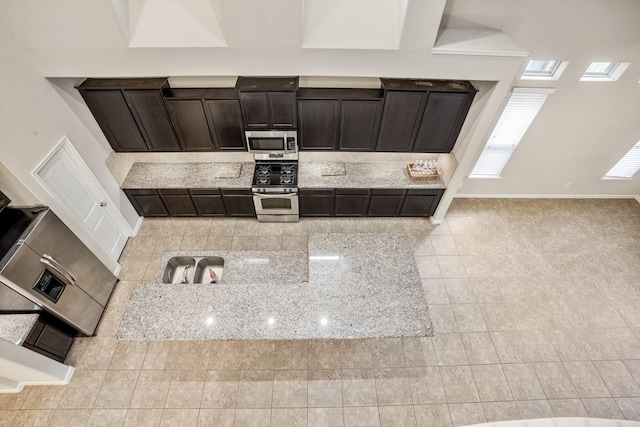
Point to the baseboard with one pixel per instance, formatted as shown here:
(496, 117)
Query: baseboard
(436, 221)
(547, 196)
(138, 225)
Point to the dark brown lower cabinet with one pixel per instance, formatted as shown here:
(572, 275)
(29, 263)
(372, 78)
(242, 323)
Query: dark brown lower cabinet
(208, 202)
(49, 340)
(316, 202)
(147, 202)
(351, 201)
(421, 202)
(178, 202)
(238, 202)
(385, 202)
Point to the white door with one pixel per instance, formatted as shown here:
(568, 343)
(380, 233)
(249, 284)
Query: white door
(70, 180)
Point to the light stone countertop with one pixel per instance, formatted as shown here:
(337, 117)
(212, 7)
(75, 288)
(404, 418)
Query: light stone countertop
(359, 286)
(15, 327)
(145, 175)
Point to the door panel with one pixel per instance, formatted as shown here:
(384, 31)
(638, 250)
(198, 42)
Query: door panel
(225, 117)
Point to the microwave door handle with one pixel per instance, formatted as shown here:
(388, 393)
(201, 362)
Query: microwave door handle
(58, 267)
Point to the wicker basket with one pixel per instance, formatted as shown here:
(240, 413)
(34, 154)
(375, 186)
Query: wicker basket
(422, 175)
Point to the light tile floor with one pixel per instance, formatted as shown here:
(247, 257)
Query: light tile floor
(535, 305)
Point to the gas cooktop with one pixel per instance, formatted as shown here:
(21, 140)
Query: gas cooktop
(275, 174)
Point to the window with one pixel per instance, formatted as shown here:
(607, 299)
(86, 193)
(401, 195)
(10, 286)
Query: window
(627, 166)
(604, 71)
(544, 70)
(522, 108)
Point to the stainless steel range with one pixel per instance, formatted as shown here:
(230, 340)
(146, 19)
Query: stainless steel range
(275, 179)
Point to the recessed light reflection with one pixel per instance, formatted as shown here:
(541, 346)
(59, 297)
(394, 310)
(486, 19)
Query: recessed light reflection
(271, 320)
(323, 321)
(256, 260)
(209, 320)
(324, 257)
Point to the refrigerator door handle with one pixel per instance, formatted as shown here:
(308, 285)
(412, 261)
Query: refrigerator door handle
(53, 263)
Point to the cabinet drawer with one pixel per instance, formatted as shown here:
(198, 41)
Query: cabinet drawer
(204, 191)
(352, 191)
(235, 192)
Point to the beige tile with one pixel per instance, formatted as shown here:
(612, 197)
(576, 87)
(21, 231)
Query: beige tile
(435, 291)
(422, 246)
(70, 418)
(290, 389)
(531, 409)
(296, 228)
(143, 418)
(198, 227)
(107, 417)
(38, 397)
(343, 225)
(255, 389)
(586, 379)
(356, 353)
(391, 416)
(428, 267)
(392, 385)
(630, 407)
(270, 229)
(325, 417)
(161, 355)
(491, 383)
(568, 345)
(617, 378)
(359, 387)
(31, 418)
(185, 390)
(459, 385)
(216, 417)
(82, 390)
(193, 355)
(501, 411)
(269, 243)
(509, 347)
(367, 225)
(93, 353)
(554, 380)
(294, 243)
(460, 291)
(426, 385)
(468, 317)
(129, 355)
(602, 407)
(568, 408)
(363, 416)
(317, 225)
(387, 353)
(523, 381)
(219, 243)
(259, 355)
(497, 317)
(179, 417)
(324, 354)
(289, 417)
(244, 243)
(451, 267)
(433, 415)
(246, 227)
(418, 351)
(291, 354)
(220, 389)
(479, 348)
(624, 342)
(226, 355)
(151, 389)
(117, 389)
(121, 293)
(539, 346)
(324, 388)
(596, 344)
(466, 413)
(449, 349)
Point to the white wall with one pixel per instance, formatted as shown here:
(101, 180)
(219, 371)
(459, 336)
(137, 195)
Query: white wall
(34, 120)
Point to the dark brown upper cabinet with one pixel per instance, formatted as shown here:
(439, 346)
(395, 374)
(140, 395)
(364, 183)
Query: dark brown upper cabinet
(359, 122)
(190, 122)
(423, 115)
(225, 121)
(268, 103)
(318, 128)
(131, 113)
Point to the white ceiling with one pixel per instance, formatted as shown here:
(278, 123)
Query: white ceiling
(583, 129)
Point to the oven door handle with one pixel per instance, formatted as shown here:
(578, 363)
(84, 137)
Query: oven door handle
(54, 264)
(263, 195)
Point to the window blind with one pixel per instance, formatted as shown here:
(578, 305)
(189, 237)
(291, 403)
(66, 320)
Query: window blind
(628, 165)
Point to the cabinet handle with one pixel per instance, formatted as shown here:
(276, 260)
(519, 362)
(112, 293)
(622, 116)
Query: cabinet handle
(283, 124)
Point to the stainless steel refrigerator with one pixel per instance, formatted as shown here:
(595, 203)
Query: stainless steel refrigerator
(50, 266)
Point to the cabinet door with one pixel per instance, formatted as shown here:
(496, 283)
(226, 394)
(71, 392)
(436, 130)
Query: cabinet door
(318, 128)
(225, 120)
(316, 202)
(190, 123)
(49, 341)
(385, 202)
(148, 108)
(359, 122)
(282, 107)
(238, 202)
(421, 202)
(147, 202)
(351, 202)
(208, 202)
(255, 109)
(399, 117)
(178, 202)
(114, 117)
(442, 120)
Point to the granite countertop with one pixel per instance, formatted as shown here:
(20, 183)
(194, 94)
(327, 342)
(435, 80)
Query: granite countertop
(15, 327)
(360, 175)
(240, 175)
(349, 286)
(189, 175)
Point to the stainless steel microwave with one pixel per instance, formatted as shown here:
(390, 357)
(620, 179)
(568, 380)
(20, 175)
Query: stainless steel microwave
(272, 141)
